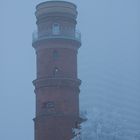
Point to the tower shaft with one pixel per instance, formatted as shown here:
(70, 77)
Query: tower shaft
(56, 43)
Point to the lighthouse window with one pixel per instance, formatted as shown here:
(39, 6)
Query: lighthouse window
(56, 29)
(48, 105)
(55, 71)
(55, 55)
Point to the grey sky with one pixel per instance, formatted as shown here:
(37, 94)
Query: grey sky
(110, 48)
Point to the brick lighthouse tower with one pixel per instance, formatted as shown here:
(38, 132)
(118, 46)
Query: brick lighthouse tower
(56, 43)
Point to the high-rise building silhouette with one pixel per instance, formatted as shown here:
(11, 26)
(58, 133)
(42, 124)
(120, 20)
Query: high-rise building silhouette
(56, 43)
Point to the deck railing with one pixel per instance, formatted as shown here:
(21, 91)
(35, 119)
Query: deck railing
(74, 36)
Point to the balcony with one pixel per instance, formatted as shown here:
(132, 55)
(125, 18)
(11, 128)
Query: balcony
(69, 36)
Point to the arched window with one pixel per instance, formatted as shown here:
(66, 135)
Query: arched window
(49, 106)
(55, 71)
(56, 29)
(55, 55)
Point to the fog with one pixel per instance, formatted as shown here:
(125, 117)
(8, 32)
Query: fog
(108, 64)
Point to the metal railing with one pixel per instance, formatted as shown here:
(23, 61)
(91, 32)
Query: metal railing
(74, 36)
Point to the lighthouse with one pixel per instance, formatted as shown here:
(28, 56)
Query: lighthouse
(56, 43)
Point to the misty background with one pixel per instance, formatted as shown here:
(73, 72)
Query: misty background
(108, 62)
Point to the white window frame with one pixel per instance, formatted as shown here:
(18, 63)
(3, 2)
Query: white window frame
(56, 29)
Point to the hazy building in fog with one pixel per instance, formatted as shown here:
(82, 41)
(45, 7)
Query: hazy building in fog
(56, 43)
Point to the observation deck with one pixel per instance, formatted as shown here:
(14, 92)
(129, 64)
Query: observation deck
(76, 36)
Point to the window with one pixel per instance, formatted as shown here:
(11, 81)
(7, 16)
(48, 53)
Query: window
(56, 29)
(55, 55)
(49, 106)
(55, 71)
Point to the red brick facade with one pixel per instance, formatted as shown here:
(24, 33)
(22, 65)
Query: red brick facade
(57, 85)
